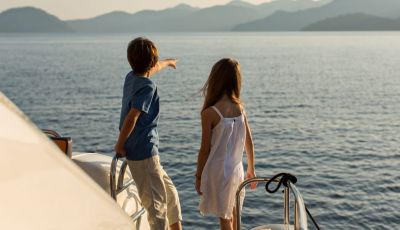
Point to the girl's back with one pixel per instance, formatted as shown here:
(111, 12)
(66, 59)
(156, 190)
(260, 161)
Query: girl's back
(228, 109)
(223, 171)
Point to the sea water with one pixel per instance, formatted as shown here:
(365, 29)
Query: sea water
(322, 106)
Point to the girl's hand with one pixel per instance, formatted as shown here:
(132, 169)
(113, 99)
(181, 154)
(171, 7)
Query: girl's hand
(251, 174)
(171, 62)
(120, 150)
(197, 186)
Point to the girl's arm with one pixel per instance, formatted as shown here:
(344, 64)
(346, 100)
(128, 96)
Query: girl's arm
(206, 126)
(249, 146)
(162, 65)
(126, 130)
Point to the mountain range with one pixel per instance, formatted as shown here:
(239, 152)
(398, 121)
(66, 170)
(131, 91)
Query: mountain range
(237, 15)
(294, 21)
(184, 18)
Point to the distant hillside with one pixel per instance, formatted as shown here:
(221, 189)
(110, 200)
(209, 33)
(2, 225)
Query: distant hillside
(186, 18)
(29, 19)
(269, 8)
(146, 20)
(179, 18)
(294, 21)
(217, 18)
(355, 22)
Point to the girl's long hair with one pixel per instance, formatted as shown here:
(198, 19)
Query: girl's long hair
(225, 78)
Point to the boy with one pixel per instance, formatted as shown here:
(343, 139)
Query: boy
(138, 138)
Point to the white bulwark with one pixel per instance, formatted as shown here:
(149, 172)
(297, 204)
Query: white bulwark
(41, 188)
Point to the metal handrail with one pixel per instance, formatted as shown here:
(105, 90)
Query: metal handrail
(50, 133)
(300, 214)
(117, 188)
(239, 190)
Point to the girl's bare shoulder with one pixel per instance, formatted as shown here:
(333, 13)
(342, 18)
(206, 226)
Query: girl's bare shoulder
(209, 112)
(210, 116)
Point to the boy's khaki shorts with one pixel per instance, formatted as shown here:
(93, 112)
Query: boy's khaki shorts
(157, 192)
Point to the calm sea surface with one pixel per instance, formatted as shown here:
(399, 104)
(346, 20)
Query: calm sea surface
(323, 106)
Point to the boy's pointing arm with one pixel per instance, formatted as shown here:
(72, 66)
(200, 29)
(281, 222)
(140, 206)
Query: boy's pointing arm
(162, 65)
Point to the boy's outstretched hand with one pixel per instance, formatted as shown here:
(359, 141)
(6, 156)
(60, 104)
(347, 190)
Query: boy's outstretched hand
(171, 62)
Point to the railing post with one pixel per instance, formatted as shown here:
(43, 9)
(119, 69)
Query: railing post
(296, 216)
(121, 175)
(118, 186)
(239, 190)
(300, 214)
(238, 216)
(113, 171)
(286, 206)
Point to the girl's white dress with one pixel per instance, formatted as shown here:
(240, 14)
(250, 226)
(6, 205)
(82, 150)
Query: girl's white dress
(223, 171)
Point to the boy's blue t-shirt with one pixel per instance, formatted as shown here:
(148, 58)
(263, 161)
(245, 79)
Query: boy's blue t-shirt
(141, 93)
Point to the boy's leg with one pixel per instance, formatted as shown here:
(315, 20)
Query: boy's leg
(148, 177)
(173, 205)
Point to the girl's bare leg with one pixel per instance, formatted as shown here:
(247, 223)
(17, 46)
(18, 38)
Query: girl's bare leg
(176, 226)
(234, 219)
(226, 224)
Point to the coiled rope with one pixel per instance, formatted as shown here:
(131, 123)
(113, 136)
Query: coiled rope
(285, 177)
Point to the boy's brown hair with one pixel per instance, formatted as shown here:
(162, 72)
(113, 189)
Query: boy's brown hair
(142, 55)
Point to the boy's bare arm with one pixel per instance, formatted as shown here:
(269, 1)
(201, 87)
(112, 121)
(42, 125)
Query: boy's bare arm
(126, 130)
(162, 65)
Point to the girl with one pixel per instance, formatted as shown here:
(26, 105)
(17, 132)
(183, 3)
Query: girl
(225, 135)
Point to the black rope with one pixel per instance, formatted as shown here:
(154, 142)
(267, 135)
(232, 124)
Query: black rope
(311, 217)
(285, 177)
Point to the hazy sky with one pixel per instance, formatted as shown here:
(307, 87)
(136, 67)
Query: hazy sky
(73, 9)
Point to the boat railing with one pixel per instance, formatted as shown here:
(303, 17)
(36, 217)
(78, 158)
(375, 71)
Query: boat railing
(63, 143)
(300, 213)
(117, 186)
